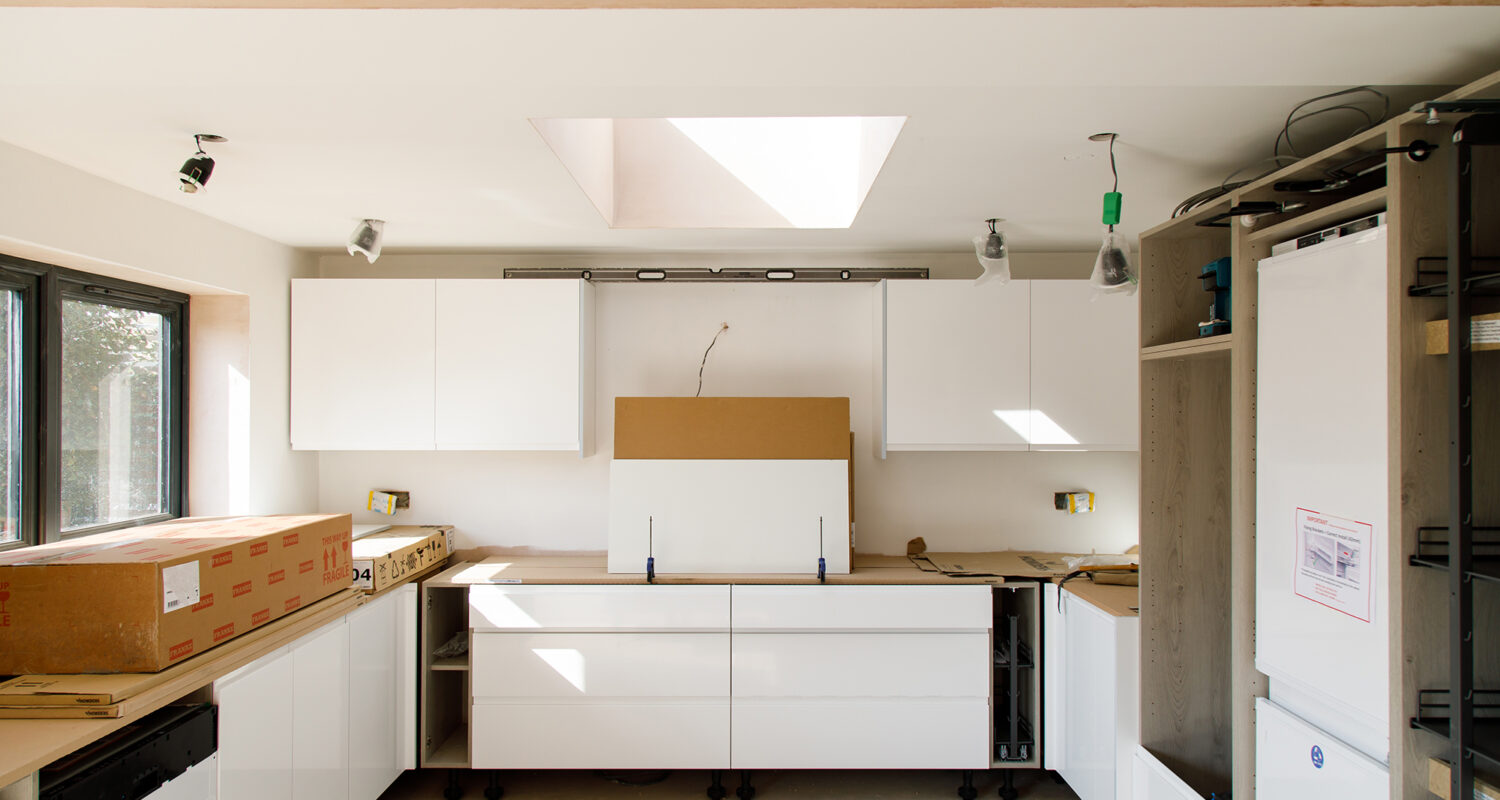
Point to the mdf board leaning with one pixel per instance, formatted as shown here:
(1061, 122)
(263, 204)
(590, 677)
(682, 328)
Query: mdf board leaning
(731, 485)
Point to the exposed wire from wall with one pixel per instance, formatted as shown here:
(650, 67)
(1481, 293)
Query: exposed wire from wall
(723, 326)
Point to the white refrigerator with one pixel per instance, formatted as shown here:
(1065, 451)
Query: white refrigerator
(1322, 520)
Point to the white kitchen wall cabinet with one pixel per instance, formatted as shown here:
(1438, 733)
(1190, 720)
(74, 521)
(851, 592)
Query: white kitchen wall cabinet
(442, 364)
(363, 356)
(513, 365)
(1096, 724)
(1085, 370)
(956, 365)
(1030, 365)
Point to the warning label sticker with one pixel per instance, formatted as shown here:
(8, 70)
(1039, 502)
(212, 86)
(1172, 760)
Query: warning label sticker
(1335, 559)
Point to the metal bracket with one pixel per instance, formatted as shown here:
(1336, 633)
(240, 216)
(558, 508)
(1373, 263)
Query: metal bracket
(1432, 108)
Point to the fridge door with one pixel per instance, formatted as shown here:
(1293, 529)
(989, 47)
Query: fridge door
(1322, 497)
(1297, 761)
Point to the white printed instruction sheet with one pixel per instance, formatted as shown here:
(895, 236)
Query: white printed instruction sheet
(1335, 557)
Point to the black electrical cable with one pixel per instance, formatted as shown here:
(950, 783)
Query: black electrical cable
(1285, 134)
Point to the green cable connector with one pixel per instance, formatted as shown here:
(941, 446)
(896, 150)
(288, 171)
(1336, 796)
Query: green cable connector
(1112, 208)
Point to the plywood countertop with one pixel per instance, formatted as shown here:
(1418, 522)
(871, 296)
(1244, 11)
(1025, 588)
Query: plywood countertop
(563, 570)
(1116, 601)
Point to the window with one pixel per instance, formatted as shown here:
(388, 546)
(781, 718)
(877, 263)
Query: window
(91, 403)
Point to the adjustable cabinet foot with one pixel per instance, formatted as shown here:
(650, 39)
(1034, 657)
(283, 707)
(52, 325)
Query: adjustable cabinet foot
(1008, 785)
(966, 790)
(455, 789)
(494, 791)
(746, 791)
(716, 790)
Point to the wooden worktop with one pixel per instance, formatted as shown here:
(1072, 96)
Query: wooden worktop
(1116, 601)
(563, 570)
(27, 745)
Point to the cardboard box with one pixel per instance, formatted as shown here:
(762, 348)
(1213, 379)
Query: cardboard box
(142, 599)
(732, 427)
(1484, 333)
(391, 556)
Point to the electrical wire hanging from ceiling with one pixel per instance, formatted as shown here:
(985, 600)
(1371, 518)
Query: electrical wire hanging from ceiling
(1279, 159)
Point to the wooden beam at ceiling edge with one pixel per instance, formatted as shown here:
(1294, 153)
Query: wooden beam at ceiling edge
(721, 4)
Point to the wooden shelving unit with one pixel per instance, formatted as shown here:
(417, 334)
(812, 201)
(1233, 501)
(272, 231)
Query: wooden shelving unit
(1198, 527)
(444, 687)
(1186, 392)
(1207, 346)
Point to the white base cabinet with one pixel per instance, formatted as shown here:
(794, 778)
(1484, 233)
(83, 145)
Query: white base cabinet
(325, 717)
(198, 782)
(742, 677)
(1095, 723)
(1154, 781)
(1294, 760)
(599, 677)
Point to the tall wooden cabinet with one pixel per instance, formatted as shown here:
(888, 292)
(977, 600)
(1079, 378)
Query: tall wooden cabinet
(1199, 684)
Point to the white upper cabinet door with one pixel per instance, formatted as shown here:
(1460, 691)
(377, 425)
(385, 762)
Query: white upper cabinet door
(1085, 368)
(362, 364)
(957, 369)
(513, 367)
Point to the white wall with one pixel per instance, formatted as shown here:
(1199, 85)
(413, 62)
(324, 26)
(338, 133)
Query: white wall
(53, 213)
(808, 340)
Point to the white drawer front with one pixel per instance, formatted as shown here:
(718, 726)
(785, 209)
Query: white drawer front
(601, 736)
(862, 665)
(573, 666)
(889, 734)
(599, 608)
(854, 608)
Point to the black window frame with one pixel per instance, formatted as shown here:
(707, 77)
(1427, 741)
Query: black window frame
(44, 287)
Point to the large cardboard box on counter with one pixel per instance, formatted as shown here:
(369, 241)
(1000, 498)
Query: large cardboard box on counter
(391, 556)
(142, 599)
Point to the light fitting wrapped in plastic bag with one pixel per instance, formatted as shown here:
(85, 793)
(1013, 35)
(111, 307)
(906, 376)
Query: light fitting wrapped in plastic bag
(1113, 272)
(994, 256)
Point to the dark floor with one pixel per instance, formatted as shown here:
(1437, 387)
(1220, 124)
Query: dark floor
(690, 784)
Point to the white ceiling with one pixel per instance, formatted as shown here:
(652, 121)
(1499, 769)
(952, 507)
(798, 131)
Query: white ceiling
(421, 117)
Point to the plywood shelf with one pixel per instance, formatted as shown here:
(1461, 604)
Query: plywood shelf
(455, 663)
(1208, 345)
(453, 752)
(1326, 217)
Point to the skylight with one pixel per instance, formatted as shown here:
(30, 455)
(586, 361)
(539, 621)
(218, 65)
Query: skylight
(724, 172)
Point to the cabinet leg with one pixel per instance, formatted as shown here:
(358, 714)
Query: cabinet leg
(746, 791)
(454, 789)
(1008, 785)
(494, 791)
(966, 790)
(716, 790)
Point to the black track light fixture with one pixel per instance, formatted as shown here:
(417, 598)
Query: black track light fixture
(199, 166)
